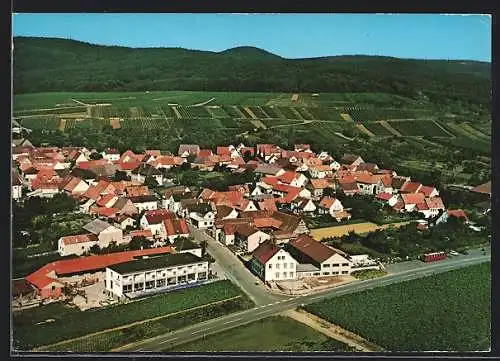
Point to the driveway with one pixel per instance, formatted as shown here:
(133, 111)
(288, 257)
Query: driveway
(236, 271)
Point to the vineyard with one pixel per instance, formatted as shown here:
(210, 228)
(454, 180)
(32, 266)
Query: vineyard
(271, 111)
(166, 111)
(193, 112)
(233, 111)
(446, 312)
(288, 113)
(421, 128)
(325, 113)
(144, 123)
(28, 334)
(243, 112)
(217, 112)
(304, 113)
(65, 110)
(361, 115)
(48, 123)
(259, 113)
(377, 129)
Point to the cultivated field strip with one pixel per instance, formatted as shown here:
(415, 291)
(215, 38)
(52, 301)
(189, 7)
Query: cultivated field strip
(390, 129)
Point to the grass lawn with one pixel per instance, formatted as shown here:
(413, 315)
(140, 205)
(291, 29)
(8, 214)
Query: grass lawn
(446, 312)
(270, 334)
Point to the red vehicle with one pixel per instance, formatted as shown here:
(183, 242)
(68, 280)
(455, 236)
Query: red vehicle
(434, 256)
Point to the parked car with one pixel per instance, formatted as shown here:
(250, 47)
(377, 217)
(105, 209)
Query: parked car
(454, 253)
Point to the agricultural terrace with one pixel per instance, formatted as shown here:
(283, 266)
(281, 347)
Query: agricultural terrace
(30, 331)
(445, 312)
(276, 333)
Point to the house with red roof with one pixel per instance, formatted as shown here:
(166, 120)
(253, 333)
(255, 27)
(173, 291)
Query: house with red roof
(317, 187)
(174, 228)
(429, 191)
(268, 204)
(368, 184)
(303, 205)
(186, 150)
(293, 179)
(349, 188)
(411, 187)
(333, 207)
(273, 263)
(248, 238)
(153, 220)
(434, 205)
(388, 198)
(320, 171)
(317, 259)
(458, 213)
(74, 186)
(111, 154)
(411, 200)
(78, 244)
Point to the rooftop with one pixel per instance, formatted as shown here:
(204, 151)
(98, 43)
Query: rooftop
(154, 263)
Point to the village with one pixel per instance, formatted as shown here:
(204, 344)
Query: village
(262, 222)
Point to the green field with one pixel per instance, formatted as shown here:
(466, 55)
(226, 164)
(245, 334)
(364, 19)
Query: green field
(420, 128)
(116, 338)
(71, 324)
(446, 312)
(377, 129)
(276, 333)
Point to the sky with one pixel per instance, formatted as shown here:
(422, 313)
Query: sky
(418, 36)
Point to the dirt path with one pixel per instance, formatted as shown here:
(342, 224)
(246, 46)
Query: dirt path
(342, 136)
(444, 130)
(258, 123)
(79, 102)
(362, 128)
(203, 103)
(333, 331)
(47, 347)
(62, 124)
(346, 117)
(389, 128)
(247, 109)
(176, 111)
(292, 125)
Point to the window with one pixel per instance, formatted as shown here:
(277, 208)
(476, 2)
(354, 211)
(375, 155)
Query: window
(344, 272)
(327, 265)
(316, 274)
(277, 266)
(326, 273)
(345, 264)
(335, 265)
(284, 274)
(127, 288)
(270, 266)
(285, 265)
(110, 284)
(290, 274)
(291, 265)
(277, 275)
(202, 275)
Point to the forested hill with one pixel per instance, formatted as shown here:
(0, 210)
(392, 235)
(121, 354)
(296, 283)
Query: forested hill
(44, 64)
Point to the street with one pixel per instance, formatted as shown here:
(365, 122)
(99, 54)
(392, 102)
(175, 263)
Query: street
(236, 271)
(166, 341)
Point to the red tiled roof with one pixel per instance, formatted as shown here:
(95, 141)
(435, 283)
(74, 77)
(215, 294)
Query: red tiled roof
(426, 190)
(288, 177)
(176, 227)
(106, 212)
(141, 233)
(435, 203)
(158, 215)
(223, 151)
(459, 213)
(72, 184)
(327, 202)
(80, 238)
(265, 251)
(137, 191)
(410, 187)
(322, 168)
(320, 183)
(129, 165)
(312, 248)
(422, 206)
(204, 153)
(267, 222)
(268, 204)
(153, 152)
(366, 178)
(384, 196)
(349, 187)
(412, 198)
(101, 202)
(398, 206)
(247, 149)
(92, 164)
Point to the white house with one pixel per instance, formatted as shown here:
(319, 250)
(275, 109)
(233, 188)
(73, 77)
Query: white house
(123, 221)
(334, 165)
(293, 178)
(303, 205)
(153, 220)
(144, 203)
(248, 237)
(174, 228)
(320, 171)
(146, 170)
(111, 154)
(317, 259)
(201, 215)
(77, 245)
(154, 274)
(272, 263)
(105, 232)
(330, 205)
(17, 185)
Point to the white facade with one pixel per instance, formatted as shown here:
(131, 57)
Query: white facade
(74, 248)
(146, 206)
(110, 157)
(80, 188)
(17, 192)
(336, 265)
(251, 242)
(110, 234)
(202, 222)
(279, 267)
(161, 278)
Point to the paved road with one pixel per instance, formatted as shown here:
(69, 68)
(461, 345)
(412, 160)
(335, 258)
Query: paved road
(236, 271)
(166, 341)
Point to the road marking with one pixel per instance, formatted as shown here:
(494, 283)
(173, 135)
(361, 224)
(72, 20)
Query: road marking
(237, 319)
(206, 329)
(175, 338)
